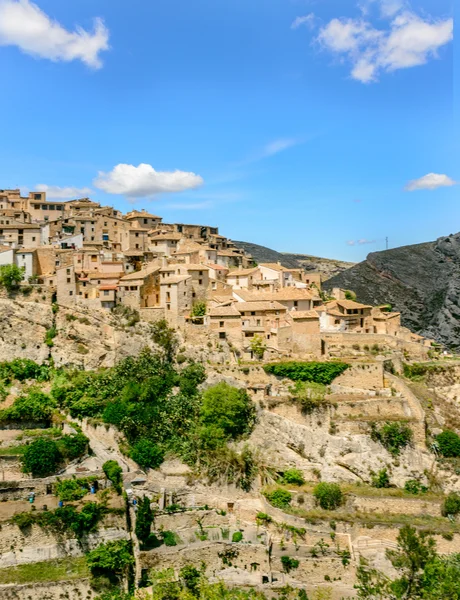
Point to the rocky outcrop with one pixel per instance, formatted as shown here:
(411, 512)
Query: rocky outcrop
(420, 281)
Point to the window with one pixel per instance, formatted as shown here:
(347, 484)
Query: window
(70, 293)
(93, 257)
(145, 221)
(37, 197)
(51, 206)
(253, 313)
(222, 335)
(221, 323)
(68, 271)
(200, 273)
(200, 282)
(337, 322)
(33, 238)
(137, 235)
(168, 307)
(68, 279)
(44, 207)
(296, 303)
(106, 292)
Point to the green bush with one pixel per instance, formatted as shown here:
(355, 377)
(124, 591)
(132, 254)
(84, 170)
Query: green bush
(36, 406)
(41, 458)
(393, 436)
(111, 560)
(328, 495)
(11, 276)
(289, 563)
(381, 480)
(170, 538)
(114, 473)
(51, 333)
(279, 498)
(316, 372)
(70, 490)
(237, 536)
(144, 520)
(147, 454)
(293, 477)
(448, 444)
(310, 396)
(263, 519)
(229, 409)
(22, 369)
(451, 505)
(414, 487)
(73, 446)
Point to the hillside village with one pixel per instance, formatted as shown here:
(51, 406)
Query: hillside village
(90, 256)
(172, 412)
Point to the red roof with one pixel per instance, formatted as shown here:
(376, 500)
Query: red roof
(108, 287)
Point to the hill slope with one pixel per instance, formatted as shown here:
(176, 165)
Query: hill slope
(328, 267)
(421, 281)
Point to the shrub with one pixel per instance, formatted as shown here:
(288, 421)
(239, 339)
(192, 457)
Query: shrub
(36, 406)
(147, 454)
(165, 337)
(289, 563)
(170, 538)
(258, 346)
(381, 480)
(328, 495)
(449, 444)
(393, 436)
(22, 369)
(293, 476)
(317, 372)
(237, 536)
(263, 519)
(414, 487)
(279, 498)
(451, 505)
(51, 333)
(69, 490)
(41, 458)
(73, 446)
(198, 309)
(114, 473)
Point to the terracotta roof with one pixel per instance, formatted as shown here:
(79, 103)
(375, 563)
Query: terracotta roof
(241, 272)
(304, 314)
(138, 252)
(275, 267)
(108, 287)
(135, 214)
(164, 235)
(224, 253)
(97, 275)
(224, 311)
(259, 306)
(217, 267)
(194, 267)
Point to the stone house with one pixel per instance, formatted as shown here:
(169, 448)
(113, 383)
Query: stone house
(26, 258)
(20, 234)
(141, 219)
(163, 243)
(243, 278)
(140, 289)
(225, 323)
(386, 322)
(294, 299)
(229, 259)
(345, 316)
(217, 272)
(261, 318)
(176, 297)
(281, 275)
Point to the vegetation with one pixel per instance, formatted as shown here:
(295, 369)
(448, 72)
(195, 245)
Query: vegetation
(51, 570)
(237, 536)
(147, 454)
(393, 436)
(35, 406)
(349, 295)
(258, 346)
(316, 372)
(448, 444)
(310, 396)
(422, 573)
(70, 490)
(22, 369)
(111, 560)
(41, 458)
(413, 486)
(289, 563)
(114, 473)
(293, 477)
(144, 520)
(328, 495)
(451, 505)
(279, 498)
(11, 276)
(381, 479)
(198, 309)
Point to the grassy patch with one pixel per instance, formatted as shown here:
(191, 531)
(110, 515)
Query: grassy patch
(13, 450)
(52, 570)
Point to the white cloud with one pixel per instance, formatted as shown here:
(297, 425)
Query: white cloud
(143, 181)
(63, 193)
(308, 20)
(360, 242)
(408, 41)
(278, 146)
(432, 181)
(24, 25)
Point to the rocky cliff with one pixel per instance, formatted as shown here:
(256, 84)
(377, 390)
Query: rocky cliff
(422, 281)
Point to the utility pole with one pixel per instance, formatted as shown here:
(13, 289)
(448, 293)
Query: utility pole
(386, 242)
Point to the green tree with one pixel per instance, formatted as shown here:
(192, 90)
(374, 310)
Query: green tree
(147, 454)
(111, 560)
(11, 276)
(279, 498)
(198, 308)
(144, 520)
(114, 473)
(381, 479)
(451, 505)
(293, 477)
(165, 337)
(191, 577)
(41, 458)
(258, 346)
(328, 495)
(449, 443)
(393, 436)
(229, 409)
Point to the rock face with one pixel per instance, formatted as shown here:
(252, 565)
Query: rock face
(420, 281)
(328, 267)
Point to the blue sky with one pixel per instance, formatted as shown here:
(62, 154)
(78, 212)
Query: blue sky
(295, 124)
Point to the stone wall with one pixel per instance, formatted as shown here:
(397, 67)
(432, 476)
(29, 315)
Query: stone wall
(75, 590)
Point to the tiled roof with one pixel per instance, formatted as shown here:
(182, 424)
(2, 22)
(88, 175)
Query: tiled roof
(259, 306)
(177, 279)
(288, 293)
(141, 274)
(224, 311)
(242, 272)
(304, 314)
(350, 304)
